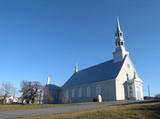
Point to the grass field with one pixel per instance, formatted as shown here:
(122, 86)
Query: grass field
(21, 107)
(10, 107)
(133, 111)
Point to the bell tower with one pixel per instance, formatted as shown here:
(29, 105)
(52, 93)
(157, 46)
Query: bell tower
(120, 51)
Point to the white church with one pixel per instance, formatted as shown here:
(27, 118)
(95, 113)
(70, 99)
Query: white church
(115, 79)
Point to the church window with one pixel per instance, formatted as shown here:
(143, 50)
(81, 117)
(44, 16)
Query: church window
(98, 90)
(88, 91)
(80, 92)
(130, 91)
(127, 76)
(128, 65)
(66, 94)
(121, 43)
(73, 93)
(130, 87)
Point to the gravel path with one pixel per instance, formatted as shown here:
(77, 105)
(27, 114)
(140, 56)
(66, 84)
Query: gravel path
(49, 111)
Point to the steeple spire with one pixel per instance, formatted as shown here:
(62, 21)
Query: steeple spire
(118, 26)
(76, 68)
(120, 51)
(48, 80)
(119, 36)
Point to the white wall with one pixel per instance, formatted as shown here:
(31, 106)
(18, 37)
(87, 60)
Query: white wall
(127, 68)
(107, 91)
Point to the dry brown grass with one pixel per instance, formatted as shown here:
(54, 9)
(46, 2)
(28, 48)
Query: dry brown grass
(134, 111)
(10, 107)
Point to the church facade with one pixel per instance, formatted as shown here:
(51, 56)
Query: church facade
(116, 79)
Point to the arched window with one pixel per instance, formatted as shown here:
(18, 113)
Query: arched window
(88, 91)
(120, 34)
(127, 76)
(80, 92)
(119, 43)
(66, 94)
(73, 93)
(98, 90)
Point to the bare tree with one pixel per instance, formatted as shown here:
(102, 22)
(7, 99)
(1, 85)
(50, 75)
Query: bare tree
(30, 91)
(36, 91)
(26, 90)
(7, 89)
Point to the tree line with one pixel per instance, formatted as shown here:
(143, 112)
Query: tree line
(31, 92)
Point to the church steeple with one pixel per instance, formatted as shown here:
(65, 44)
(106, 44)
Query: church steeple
(119, 36)
(120, 51)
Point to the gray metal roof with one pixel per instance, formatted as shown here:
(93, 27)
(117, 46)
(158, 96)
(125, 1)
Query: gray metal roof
(53, 87)
(104, 71)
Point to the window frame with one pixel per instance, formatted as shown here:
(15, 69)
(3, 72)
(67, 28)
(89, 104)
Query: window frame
(88, 91)
(73, 93)
(79, 92)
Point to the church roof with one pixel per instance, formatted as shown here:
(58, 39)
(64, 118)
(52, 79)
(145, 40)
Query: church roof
(53, 87)
(104, 71)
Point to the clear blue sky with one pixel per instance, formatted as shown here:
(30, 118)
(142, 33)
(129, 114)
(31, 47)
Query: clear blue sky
(40, 38)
